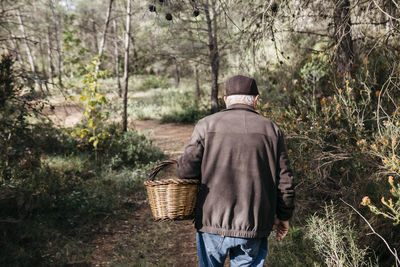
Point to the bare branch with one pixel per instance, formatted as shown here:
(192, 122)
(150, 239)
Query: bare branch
(393, 251)
(384, 12)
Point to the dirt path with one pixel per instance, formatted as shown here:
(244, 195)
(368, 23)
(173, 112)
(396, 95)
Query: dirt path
(135, 239)
(132, 238)
(65, 115)
(169, 137)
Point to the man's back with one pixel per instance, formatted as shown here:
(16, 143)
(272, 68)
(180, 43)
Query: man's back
(242, 155)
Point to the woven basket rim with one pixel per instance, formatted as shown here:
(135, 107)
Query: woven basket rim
(171, 181)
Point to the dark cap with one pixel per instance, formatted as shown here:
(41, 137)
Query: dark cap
(241, 85)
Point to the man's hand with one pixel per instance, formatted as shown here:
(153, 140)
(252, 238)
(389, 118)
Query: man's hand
(281, 228)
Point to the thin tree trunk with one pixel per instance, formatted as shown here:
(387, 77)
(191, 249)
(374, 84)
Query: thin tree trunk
(94, 35)
(103, 36)
(49, 58)
(134, 48)
(71, 70)
(43, 70)
(58, 45)
(196, 71)
(214, 54)
(126, 65)
(116, 55)
(196, 76)
(344, 55)
(17, 51)
(177, 75)
(28, 50)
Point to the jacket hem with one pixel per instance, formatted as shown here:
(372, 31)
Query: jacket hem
(234, 233)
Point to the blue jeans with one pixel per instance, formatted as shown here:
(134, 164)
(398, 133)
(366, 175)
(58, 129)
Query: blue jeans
(213, 249)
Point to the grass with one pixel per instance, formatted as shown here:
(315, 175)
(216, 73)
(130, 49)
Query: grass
(167, 103)
(61, 208)
(149, 97)
(61, 230)
(294, 250)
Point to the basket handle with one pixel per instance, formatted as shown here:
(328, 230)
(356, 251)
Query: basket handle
(161, 166)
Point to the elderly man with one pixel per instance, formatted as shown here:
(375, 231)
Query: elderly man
(246, 182)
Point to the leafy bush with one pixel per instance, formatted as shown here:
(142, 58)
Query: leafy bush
(187, 110)
(335, 241)
(294, 250)
(129, 181)
(93, 103)
(19, 156)
(153, 81)
(56, 224)
(128, 149)
(343, 138)
(189, 114)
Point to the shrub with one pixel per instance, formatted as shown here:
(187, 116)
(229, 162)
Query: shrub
(294, 250)
(188, 114)
(153, 82)
(187, 110)
(335, 241)
(19, 156)
(128, 149)
(343, 138)
(93, 103)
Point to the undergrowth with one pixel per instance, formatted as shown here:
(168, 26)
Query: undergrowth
(174, 104)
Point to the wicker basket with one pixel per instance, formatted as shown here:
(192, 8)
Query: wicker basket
(171, 199)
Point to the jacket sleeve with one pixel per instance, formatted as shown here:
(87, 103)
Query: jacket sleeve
(189, 164)
(285, 183)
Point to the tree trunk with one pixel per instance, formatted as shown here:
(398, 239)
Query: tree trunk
(177, 75)
(17, 51)
(94, 35)
(43, 70)
(49, 58)
(103, 36)
(135, 52)
(344, 55)
(116, 55)
(28, 51)
(196, 76)
(126, 65)
(58, 45)
(213, 50)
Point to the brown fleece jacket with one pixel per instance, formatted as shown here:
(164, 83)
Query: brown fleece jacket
(242, 162)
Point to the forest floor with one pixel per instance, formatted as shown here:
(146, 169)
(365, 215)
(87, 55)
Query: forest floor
(131, 237)
(134, 239)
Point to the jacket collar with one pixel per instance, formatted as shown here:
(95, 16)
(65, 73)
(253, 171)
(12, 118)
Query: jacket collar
(242, 107)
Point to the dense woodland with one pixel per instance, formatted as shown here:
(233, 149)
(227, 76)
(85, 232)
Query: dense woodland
(329, 76)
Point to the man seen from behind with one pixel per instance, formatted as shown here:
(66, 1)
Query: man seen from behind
(247, 186)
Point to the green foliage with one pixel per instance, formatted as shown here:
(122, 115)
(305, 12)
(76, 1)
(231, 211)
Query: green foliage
(153, 81)
(294, 250)
(314, 69)
(187, 110)
(93, 103)
(70, 196)
(189, 113)
(169, 105)
(58, 226)
(74, 52)
(333, 131)
(391, 208)
(336, 242)
(342, 138)
(128, 149)
(19, 156)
